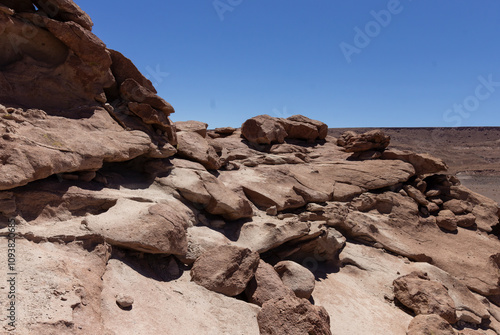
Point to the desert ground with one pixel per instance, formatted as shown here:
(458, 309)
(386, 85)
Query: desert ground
(473, 153)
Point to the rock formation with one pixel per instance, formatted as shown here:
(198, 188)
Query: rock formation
(127, 223)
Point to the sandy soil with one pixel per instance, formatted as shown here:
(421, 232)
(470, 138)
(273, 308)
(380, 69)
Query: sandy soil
(473, 153)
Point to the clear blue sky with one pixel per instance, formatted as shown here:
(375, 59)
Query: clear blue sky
(406, 63)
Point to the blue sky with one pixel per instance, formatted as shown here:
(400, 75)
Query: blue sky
(390, 63)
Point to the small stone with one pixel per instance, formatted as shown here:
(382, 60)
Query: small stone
(272, 211)
(124, 301)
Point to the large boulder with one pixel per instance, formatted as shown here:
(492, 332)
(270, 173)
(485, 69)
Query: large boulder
(292, 316)
(371, 140)
(298, 278)
(425, 296)
(263, 129)
(266, 285)
(225, 269)
(320, 126)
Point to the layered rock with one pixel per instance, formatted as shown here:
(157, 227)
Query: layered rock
(231, 230)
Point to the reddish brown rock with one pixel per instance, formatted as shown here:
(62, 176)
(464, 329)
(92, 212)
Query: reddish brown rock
(293, 316)
(320, 126)
(123, 68)
(225, 269)
(425, 296)
(430, 324)
(192, 145)
(447, 220)
(299, 130)
(266, 285)
(192, 126)
(263, 129)
(299, 279)
(423, 163)
(132, 91)
(65, 10)
(372, 140)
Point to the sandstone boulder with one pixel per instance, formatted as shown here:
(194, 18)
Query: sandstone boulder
(425, 296)
(266, 285)
(430, 324)
(292, 316)
(192, 145)
(299, 279)
(320, 126)
(225, 269)
(371, 140)
(263, 129)
(447, 220)
(299, 130)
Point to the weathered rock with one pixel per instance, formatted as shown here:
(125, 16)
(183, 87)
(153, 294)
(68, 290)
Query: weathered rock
(225, 269)
(207, 191)
(39, 145)
(299, 130)
(123, 68)
(160, 228)
(188, 307)
(263, 129)
(425, 296)
(225, 131)
(292, 316)
(132, 91)
(447, 220)
(457, 206)
(200, 240)
(321, 127)
(192, 126)
(430, 324)
(423, 163)
(124, 301)
(263, 234)
(65, 10)
(192, 145)
(416, 194)
(299, 279)
(371, 140)
(466, 221)
(266, 285)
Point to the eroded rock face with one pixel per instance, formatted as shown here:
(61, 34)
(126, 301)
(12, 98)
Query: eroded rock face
(125, 219)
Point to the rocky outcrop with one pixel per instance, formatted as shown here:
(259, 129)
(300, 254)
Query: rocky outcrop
(124, 219)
